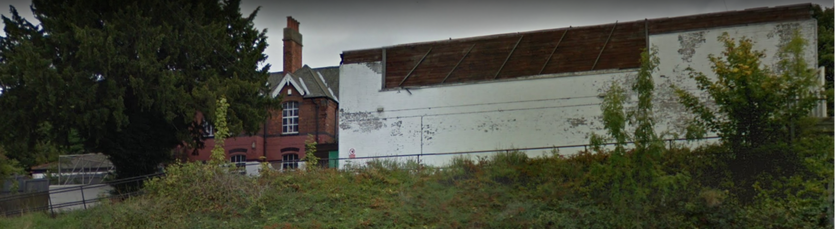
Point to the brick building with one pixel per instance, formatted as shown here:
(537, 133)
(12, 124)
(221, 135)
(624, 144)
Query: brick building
(309, 101)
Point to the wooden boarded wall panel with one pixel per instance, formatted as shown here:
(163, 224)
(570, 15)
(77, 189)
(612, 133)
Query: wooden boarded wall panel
(577, 52)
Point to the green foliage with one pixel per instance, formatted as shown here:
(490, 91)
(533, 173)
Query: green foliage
(221, 132)
(825, 49)
(127, 78)
(628, 178)
(614, 117)
(8, 166)
(648, 146)
(757, 112)
(310, 152)
(506, 190)
(754, 105)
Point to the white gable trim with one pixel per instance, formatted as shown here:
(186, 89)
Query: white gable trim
(289, 80)
(322, 78)
(334, 97)
(328, 87)
(303, 85)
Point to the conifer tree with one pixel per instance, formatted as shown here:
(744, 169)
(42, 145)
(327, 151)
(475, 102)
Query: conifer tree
(127, 78)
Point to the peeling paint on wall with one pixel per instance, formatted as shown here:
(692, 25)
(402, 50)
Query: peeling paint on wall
(689, 42)
(575, 122)
(395, 129)
(785, 32)
(428, 134)
(367, 121)
(524, 113)
(667, 110)
(377, 67)
(490, 124)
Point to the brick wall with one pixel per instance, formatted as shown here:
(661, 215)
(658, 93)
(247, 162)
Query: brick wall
(277, 143)
(292, 46)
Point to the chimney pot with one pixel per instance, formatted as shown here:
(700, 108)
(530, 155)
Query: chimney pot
(292, 23)
(292, 46)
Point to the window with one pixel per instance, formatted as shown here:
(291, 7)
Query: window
(208, 129)
(240, 162)
(290, 161)
(290, 118)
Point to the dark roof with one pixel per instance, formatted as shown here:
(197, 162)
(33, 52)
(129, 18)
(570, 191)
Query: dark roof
(610, 46)
(320, 82)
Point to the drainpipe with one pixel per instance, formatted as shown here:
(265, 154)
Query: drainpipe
(316, 138)
(264, 149)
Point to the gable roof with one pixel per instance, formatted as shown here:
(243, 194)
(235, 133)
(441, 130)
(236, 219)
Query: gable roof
(311, 82)
(286, 80)
(610, 46)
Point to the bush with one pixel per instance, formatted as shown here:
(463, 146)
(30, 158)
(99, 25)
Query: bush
(507, 190)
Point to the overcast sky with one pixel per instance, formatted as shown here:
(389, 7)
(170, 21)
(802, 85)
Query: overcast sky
(330, 27)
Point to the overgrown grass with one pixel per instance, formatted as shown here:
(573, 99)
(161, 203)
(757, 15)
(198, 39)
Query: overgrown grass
(507, 190)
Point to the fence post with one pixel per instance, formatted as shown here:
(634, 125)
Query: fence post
(49, 198)
(83, 199)
(829, 202)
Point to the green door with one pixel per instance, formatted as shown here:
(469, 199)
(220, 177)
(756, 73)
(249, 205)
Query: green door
(333, 159)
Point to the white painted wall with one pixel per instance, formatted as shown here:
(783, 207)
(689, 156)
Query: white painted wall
(680, 50)
(540, 111)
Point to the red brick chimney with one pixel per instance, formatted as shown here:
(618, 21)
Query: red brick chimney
(292, 46)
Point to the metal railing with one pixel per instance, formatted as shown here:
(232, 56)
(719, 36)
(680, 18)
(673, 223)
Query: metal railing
(69, 198)
(323, 162)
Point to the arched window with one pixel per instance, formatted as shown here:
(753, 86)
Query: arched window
(290, 118)
(290, 161)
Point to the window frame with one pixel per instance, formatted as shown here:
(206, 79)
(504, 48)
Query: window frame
(208, 129)
(290, 161)
(240, 163)
(290, 118)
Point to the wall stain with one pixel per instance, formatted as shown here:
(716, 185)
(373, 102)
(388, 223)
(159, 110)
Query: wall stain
(689, 42)
(395, 129)
(496, 125)
(428, 134)
(785, 32)
(366, 121)
(624, 82)
(667, 110)
(575, 122)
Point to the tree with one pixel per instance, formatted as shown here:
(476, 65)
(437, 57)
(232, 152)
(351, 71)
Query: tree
(8, 167)
(825, 49)
(756, 108)
(633, 182)
(643, 162)
(616, 116)
(218, 152)
(128, 77)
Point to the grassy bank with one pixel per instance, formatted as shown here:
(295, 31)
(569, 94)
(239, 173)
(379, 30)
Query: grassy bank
(508, 190)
